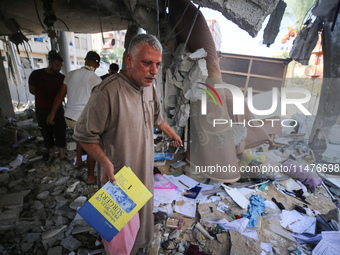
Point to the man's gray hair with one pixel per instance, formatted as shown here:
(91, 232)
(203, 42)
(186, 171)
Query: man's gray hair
(141, 39)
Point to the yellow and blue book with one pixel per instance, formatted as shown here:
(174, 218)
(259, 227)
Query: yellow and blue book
(111, 207)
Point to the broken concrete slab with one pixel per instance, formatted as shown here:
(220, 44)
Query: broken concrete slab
(78, 202)
(43, 195)
(57, 250)
(273, 26)
(13, 200)
(71, 243)
(10, 216)
(248, 15)
(198, 54)
(53, 234)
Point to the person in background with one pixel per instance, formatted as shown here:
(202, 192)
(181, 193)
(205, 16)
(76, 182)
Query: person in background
(44, 84)
(78, 85)
(114, 68)
(116, 128)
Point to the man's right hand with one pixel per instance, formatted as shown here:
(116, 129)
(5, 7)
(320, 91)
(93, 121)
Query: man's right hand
(107, 174)
(49, 119)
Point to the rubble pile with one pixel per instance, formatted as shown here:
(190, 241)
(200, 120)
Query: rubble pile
(265, 212)
(39, 203)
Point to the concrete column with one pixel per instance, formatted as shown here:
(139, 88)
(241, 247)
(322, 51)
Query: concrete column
(74, 49)
(15, 65)
(5, 96)
(131, 31)
(64, 51)
(329, 104)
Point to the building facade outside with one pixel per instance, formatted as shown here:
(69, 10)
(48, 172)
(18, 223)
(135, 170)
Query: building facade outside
(110, 46)
(215, 31)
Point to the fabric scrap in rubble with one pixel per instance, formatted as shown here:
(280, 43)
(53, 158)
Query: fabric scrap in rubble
(256, 208)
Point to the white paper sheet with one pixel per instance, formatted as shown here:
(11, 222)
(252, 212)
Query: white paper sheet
(186, 206)
(164, 196)
(183, 182)
(237, 225)
(237, 196)
(266, 249)
(297, 222)
(329, 244)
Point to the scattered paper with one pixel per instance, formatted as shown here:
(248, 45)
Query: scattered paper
(266, 249)
(183, 182)
(222, 207)
(237, 225)
(329, 244)
(295, 221)
(237, 196)
(165, 196)
(160, 182)
(186, 206)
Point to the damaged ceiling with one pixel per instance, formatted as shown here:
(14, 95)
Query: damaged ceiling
(85, 16)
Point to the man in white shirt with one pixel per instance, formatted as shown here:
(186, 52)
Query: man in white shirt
(78, 85)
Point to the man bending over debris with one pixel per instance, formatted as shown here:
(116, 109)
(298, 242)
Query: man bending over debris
(116, 128)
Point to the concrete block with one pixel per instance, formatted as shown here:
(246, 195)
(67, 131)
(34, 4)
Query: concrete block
(183, 115)
(62, 181)
(8, 217)
(71, 146)
(198, 54)
(43, 195)
(4, 179)
(66, 212)
(71, 188)
(13, 200)
(78, 202)
(71, 243)
(32, 237)
(60, 220)
(26, 246)
(58, 250)
(53, 234)
(186, 65)
(37, 205)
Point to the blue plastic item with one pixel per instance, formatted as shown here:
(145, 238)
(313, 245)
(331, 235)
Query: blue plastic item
(160, 156)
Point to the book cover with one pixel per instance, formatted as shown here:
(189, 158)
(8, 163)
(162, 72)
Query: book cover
(111, 207)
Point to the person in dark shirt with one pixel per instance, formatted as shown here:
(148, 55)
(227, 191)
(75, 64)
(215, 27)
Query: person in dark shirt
(114, 68)
(45, 84)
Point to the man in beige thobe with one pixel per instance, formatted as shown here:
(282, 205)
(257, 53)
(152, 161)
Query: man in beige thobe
(116, 126)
